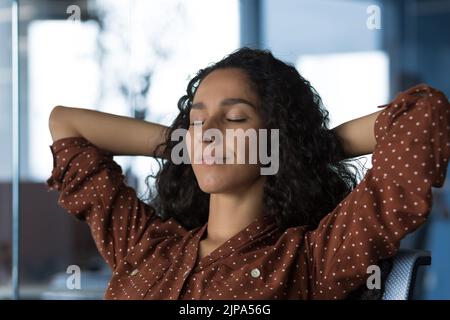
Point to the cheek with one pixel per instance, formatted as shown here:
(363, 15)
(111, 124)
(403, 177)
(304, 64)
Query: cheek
(193, 143)
(246, 153)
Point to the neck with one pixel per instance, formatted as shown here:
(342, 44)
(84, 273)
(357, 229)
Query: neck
(230, 213)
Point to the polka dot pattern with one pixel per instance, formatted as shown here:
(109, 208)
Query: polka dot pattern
(393, 199)
(156, 259)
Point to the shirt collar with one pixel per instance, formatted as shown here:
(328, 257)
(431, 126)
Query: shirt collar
(256, 229)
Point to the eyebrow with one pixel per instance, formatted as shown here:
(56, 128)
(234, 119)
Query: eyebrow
(225, 103)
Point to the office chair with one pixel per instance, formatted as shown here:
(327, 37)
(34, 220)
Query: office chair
(398, 277)
(400, 282)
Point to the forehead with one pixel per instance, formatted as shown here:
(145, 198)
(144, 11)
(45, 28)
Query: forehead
(226, 83)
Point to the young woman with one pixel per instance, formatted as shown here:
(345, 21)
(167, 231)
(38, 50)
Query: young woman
(224, 231)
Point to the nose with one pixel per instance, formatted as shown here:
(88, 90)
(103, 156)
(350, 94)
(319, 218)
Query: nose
(214, 124)
(212, 132)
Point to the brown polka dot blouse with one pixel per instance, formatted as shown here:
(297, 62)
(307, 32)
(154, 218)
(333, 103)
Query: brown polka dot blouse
(156, 259)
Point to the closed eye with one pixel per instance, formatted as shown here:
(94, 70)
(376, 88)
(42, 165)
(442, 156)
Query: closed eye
(199, 122)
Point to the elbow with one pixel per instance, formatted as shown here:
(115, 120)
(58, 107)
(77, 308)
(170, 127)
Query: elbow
(58, 123)
(55, 118)
(54, 114)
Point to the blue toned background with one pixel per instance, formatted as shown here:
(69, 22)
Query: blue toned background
(134, 57)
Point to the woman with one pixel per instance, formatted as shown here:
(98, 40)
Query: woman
(225, 231)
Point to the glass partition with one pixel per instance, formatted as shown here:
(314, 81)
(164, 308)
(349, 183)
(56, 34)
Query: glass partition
(131, 58)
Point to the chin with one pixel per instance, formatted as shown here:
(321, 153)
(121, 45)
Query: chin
(222, 179)
(213, 185)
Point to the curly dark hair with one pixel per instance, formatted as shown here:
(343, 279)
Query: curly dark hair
(313, 175)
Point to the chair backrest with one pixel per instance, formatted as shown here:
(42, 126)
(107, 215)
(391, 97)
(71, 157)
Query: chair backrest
(400, 282)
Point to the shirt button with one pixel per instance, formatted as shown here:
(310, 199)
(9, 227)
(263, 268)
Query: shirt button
(255, 273)
(134, 272)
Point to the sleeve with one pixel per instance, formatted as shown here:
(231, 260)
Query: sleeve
(92, 188)
(393, 199)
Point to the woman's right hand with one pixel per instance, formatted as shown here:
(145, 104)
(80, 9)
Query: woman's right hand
(117, 134)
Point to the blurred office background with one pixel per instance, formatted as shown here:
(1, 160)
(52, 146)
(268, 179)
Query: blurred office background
(135, 57)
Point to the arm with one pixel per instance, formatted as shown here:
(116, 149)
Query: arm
(116, 134)
(394, 198)
(92, 185)
(357, 136)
